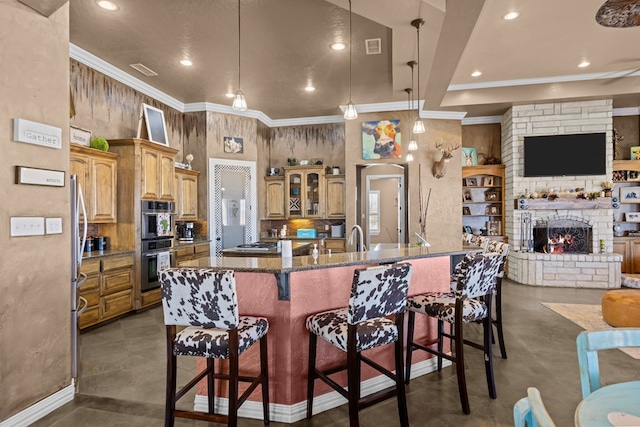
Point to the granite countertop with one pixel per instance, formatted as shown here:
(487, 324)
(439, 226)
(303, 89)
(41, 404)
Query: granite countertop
(296, 246)
(302, 263)
(108, 252)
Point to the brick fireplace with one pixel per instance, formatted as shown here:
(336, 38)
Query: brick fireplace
(557, 268)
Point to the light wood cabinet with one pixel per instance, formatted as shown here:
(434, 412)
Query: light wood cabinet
(629, 248)
(186, 194)
(335, 199)
(483, 199)
(97, 175)
(275, 197)
(108, 288)
(157, 174)
(187, 253)
(336, 245)
(304, 192)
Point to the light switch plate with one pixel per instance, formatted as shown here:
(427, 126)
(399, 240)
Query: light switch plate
(27, 226)
(54, 225)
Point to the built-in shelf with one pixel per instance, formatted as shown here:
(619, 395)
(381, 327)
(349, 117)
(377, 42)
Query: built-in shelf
(563, 203)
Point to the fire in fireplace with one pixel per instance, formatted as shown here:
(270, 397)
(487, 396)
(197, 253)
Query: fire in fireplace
(562, 234)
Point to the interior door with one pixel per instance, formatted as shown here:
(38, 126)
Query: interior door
(232, 204)
(384, 208)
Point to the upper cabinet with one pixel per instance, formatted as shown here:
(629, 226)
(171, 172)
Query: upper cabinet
(274, 186)
(483, 199)
(186, 194)
(304, 191)
(336, 197)
(157, 174)
(97, 174)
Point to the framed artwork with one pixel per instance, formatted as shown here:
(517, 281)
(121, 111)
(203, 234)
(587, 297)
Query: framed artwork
(466, 210)
(469, 156)
(635, 153)
(487, 181)
(233, 145)
(467, 196)
(471, 182)
(151, 125)
(493, 210)
(381, 140)
(630, 194)
(632, 216)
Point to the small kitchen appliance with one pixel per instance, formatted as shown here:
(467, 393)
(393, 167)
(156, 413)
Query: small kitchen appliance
(185, 232)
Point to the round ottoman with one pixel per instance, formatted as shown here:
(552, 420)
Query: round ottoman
(621, 307)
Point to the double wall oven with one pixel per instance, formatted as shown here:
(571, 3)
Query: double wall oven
(158, 232)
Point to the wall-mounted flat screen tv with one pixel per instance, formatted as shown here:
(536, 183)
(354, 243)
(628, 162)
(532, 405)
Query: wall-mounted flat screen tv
(565, 155)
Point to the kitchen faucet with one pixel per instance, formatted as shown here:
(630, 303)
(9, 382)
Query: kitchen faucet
(360, 237)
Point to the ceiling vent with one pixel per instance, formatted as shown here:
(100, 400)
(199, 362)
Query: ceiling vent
(373, 46)
(144, 70)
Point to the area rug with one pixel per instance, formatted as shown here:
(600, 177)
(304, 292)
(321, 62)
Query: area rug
(588, 317)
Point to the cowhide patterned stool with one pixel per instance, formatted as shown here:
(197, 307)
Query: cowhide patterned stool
(376, 292)
(204, 300)
(476, 275)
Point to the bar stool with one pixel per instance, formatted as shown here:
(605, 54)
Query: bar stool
(204, 300)
(376, 292)
(471, 302)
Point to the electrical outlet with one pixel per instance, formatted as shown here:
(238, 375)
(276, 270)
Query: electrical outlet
(27, 226)
(54, 225)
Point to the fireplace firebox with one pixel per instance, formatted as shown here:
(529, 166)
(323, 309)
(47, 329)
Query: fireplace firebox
(562, 234)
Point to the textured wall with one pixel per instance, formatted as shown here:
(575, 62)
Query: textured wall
(629, 128)
(484, 138)
(35, 285)
(444, 192)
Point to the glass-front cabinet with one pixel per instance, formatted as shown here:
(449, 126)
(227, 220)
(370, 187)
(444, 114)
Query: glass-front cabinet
(304, 190)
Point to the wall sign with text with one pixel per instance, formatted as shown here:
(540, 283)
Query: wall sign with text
(37, 133)
(34, 176)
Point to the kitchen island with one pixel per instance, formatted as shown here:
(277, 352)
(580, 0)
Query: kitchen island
(316, 285)
(265, 250)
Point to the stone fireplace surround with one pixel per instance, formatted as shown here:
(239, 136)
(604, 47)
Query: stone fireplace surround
(563, 270)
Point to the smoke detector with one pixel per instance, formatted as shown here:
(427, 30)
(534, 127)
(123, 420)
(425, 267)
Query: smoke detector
(143, 69)
(373, 46)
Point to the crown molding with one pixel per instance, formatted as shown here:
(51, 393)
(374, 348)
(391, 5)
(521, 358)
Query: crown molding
(630, 111)
(543, 80)
(485, 120)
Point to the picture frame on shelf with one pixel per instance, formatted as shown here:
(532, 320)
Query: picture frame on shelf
(471, 182)
(469, 156)
(491, 195)
(466, 210)
(630, 194)
(151, 125)
(79, 136)
(467, 196)
(487, 181)
(635, 153)
(632, 216)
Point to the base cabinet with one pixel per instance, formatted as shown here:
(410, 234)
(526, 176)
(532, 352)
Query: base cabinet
(185, 254)
(108, 288)
(629, 248)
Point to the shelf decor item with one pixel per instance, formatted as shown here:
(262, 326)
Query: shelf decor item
(630, 195)
(471, 182)
(151, 125)
(469, 156)
(632, 216)
(635, 153)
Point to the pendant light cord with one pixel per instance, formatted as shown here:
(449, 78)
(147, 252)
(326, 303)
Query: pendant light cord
(239, 32)
(350, 50)
(418, 95)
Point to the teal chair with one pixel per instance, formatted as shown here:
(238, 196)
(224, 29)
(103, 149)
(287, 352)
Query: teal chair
(530, 411)
(588, 345)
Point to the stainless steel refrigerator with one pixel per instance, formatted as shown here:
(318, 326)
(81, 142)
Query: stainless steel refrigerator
(78, 304)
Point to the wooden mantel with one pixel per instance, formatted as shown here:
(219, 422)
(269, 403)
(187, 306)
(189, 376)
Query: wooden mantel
(563, 203)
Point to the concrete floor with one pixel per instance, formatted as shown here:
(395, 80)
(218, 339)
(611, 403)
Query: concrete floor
(123, 373)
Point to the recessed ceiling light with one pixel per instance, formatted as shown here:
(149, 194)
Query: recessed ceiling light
(186, 63)
(105, 4)
(338, 46)
(476, 73)
(511, 15)
(230, 95)
(309, 88)
(584, 64)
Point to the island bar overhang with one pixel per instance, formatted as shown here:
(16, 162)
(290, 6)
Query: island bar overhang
(315, 288)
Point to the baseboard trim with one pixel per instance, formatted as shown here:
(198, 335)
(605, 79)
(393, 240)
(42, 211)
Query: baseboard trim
(291, 413)
(42, 408)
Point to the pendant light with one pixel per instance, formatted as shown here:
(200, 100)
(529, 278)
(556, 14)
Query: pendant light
(413, 144)
(350, 112)
(409, 155)
(239, 102)
(418, 125)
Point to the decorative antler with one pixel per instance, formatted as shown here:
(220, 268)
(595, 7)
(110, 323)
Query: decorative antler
(440, 167)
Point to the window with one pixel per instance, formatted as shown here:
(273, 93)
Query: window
(374, 212)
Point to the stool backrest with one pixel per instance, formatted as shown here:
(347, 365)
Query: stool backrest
(476, 275)
(379, 291)
(498, 247)
(589, 342)
(199, 297)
